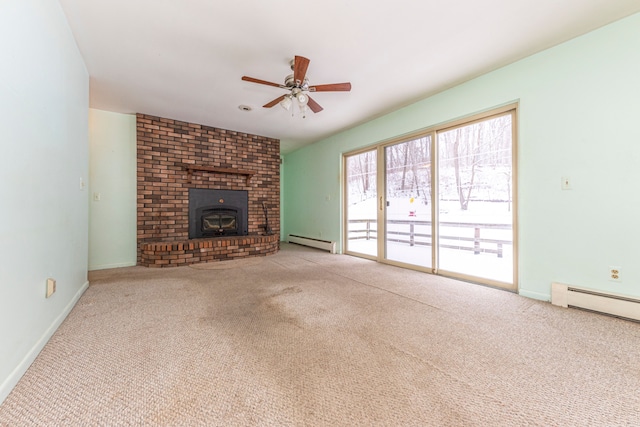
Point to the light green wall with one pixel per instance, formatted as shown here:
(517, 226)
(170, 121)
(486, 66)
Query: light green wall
(112, 219)
(579, 117)
(44, 102)
(312, 208)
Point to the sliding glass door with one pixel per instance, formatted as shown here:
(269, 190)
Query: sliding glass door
(361, 195)
(408, 202)
(475, 227)
(441, 201)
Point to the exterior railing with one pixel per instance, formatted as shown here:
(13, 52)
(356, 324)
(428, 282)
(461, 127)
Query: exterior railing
(410, 236)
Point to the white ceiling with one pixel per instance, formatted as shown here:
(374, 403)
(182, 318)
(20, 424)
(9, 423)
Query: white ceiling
(185, 59)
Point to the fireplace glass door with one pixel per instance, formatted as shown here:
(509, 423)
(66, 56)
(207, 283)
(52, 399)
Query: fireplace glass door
(219, 222)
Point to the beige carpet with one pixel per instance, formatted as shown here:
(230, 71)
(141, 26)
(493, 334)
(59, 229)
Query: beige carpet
(305, 338)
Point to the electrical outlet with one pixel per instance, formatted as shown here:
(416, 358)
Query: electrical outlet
(51, 287)
(614, 273)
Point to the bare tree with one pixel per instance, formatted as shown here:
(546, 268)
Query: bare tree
(361, 170)
(463, 143)
(477, 154)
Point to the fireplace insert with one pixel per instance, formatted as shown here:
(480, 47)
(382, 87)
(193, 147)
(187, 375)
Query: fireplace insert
(217, 213)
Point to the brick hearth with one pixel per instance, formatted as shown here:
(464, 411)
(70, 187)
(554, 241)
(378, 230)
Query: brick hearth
(169, 154)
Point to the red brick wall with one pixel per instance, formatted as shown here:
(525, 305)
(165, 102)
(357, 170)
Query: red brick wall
(195, 251)
(166, 147)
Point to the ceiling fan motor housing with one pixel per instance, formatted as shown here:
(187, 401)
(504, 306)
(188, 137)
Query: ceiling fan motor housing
(290, 82)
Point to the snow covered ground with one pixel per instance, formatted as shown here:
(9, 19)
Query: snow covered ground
(484, 265)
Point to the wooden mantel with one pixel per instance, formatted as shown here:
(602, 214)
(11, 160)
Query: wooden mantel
(212, 169)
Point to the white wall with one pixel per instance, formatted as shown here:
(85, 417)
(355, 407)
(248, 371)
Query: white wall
(44, 94)
(579, 117)
(112, 219)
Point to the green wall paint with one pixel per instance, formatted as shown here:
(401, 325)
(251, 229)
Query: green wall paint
(315, 197)
(44, 102)
(112, 219)
(579, 106)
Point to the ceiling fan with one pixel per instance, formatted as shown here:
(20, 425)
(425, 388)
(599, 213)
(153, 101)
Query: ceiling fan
(298, 85)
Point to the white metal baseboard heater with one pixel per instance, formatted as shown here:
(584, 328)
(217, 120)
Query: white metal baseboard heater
(314, 243)
(602, 302)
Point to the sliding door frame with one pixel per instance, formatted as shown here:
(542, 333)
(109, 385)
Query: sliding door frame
(345, 201)
(382, 200)
(512, 109)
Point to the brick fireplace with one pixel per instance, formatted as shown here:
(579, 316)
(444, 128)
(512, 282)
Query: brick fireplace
(174, 157)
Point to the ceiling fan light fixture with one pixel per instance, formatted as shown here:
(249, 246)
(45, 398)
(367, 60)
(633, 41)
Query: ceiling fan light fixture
(302, 99)
(286, 103)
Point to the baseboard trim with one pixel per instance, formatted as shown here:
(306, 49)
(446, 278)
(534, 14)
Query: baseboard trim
(115, 265)
(19, 371)
(534, 295)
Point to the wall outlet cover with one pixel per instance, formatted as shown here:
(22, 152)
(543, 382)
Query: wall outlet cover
(51, 287)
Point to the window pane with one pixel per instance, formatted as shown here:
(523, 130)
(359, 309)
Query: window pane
(408, 210)
(361, 204)
(475, 199)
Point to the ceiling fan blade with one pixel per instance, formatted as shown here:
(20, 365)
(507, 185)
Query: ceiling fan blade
(315, 107)
(300, 66)
(333, 87)
(262, 82)
(274, 102)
